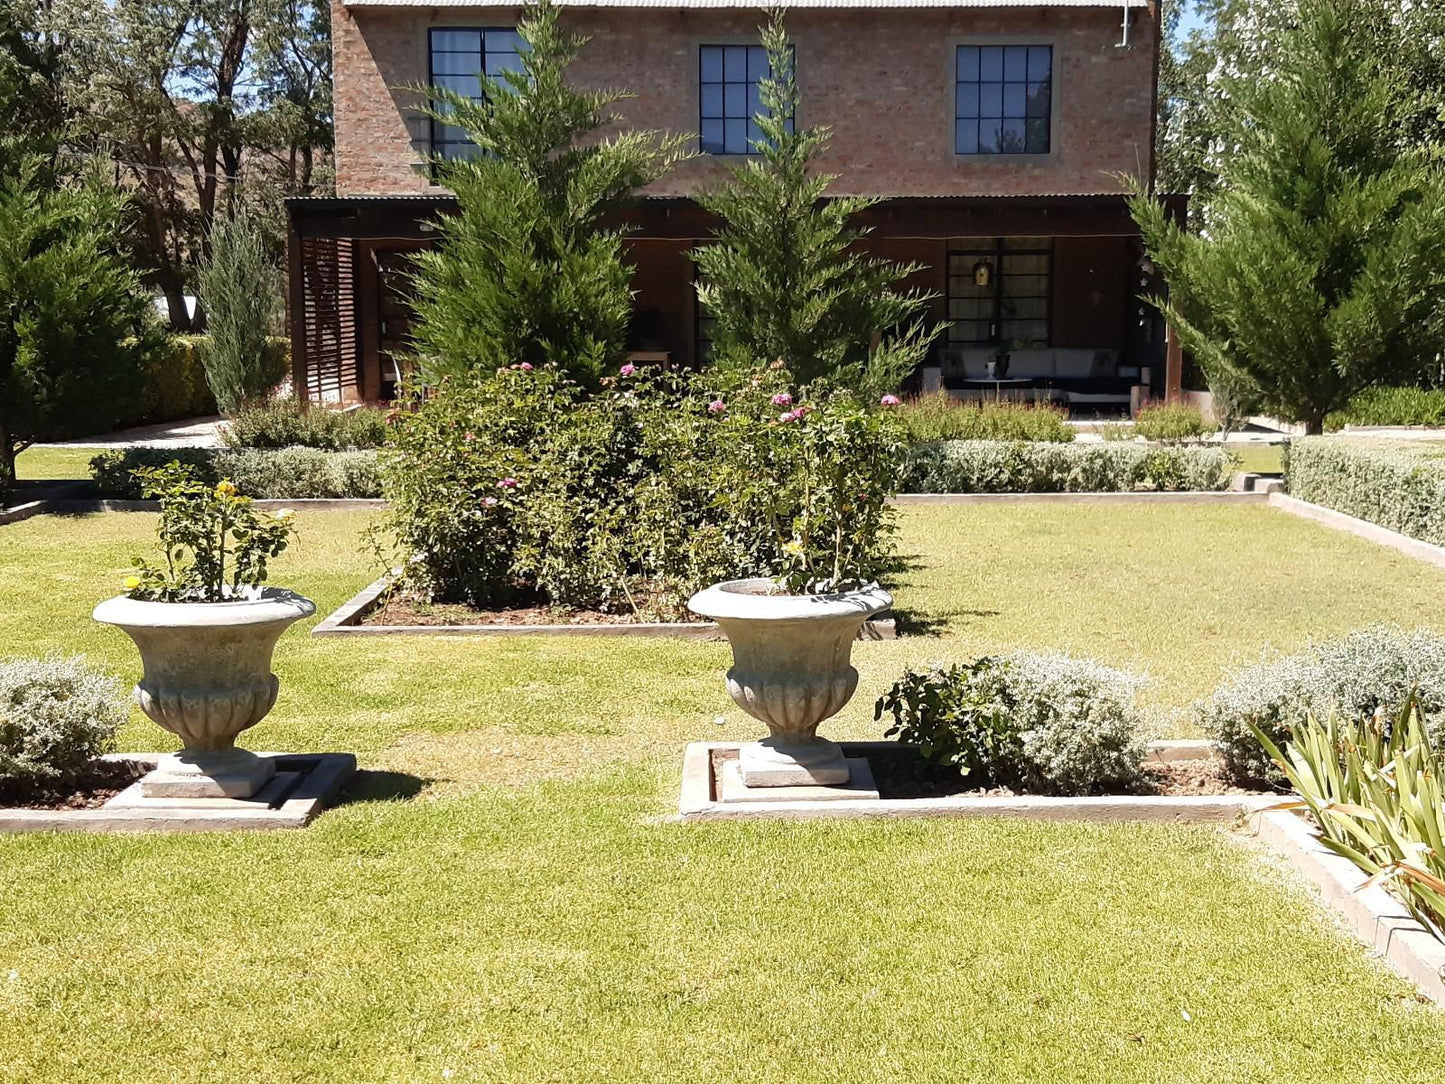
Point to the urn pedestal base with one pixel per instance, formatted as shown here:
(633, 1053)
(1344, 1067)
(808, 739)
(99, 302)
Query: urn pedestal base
(227, 773)
(777, 762)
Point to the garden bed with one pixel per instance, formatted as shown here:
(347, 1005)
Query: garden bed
(373, 612)
(99, 783)
(1186, 782)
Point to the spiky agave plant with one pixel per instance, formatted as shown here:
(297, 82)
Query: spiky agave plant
(1374, 789)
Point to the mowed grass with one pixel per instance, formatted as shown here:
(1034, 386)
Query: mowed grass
(43, 464)
(1259, 458)
(501, 899)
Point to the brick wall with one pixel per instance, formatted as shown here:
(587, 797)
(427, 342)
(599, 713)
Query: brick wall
(883, 80)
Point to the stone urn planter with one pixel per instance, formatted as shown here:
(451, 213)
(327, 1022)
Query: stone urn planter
(792, 668)
(207, 678)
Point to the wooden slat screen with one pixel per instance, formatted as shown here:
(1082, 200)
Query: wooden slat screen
(329, 313)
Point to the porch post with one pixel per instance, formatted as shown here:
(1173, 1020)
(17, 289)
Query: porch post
(296, 311)
(1173, 366)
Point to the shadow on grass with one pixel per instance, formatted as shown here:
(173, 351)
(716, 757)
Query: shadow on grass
(920, 622)
(375, 786)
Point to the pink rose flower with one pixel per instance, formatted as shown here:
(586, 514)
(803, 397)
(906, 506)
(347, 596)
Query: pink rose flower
(790, 416)
(782, 399)
(628, 369)
(717, 406)
(526, 366)
(507, 483)
(889, 400)
(489, 502)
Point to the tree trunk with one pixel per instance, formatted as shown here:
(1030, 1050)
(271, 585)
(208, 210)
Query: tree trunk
(7, 462)
(175, 296)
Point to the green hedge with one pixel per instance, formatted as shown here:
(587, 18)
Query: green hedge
(1392, 406)
(995, 466)
(173, 385)
(1397, 484)
(285, 474)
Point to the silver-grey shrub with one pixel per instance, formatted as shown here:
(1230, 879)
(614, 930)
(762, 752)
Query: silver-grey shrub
(1044, 722)
(1079, 723)
(291, 473)
(1355, 674)
(56, 715)
(1397, 484)
(279, 474)
(1001, 466)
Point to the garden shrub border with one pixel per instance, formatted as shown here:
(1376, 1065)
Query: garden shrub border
(1397, 485)
(1019, 467)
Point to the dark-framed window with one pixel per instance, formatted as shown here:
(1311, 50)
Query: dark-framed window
(1002, 99)
(728, 78)
(457, 56)
(1014, 305)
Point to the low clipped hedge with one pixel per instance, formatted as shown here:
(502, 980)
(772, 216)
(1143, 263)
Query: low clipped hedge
(173, 384)
(283, 474)
(998, 466)
(1396, 484)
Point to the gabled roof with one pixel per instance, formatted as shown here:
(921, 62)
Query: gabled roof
(759, 5)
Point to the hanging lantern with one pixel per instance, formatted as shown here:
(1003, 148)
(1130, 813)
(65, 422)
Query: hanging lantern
(982, 273)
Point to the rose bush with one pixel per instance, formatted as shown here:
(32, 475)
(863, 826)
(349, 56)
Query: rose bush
(524, 488)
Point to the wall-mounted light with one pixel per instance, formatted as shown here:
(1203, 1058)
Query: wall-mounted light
(982, 273)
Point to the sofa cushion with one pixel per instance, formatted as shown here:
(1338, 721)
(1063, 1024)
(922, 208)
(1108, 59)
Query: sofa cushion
(1074, 364)
(1031, 364)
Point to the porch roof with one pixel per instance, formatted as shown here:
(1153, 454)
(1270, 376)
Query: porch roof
(680, 218)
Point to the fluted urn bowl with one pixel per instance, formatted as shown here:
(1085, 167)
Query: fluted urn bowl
(792, 668)
(207, 677)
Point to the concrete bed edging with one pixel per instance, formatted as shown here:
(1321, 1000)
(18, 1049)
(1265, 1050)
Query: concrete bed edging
(1379, 919)
(1361, 528)
(698, 799)
(345, 620)
(321, 778)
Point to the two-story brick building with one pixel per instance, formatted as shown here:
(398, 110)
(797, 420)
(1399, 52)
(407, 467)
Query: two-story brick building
(999, 130)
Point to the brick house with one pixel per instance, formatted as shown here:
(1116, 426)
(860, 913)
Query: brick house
(998, 130)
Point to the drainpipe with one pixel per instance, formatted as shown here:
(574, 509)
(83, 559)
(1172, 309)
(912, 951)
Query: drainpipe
(1124, 41)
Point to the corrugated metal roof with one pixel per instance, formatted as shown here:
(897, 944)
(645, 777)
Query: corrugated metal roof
(756, 5)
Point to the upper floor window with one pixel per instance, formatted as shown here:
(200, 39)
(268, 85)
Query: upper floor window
(1002, 99)
(458, 56)
(729, 78)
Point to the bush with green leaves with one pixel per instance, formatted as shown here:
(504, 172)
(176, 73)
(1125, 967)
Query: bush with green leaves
(216, 546)
(240, 288)
(280, 474)
(526, 487)
(997, 466)
(56, 716)
(1040, 722)
(527, 269)
(1321, 263)
(1375, 787)
(785, 278)
(75, 324)
(1355, 675)
(939, 416)
(1170, 423)
(287, 423)
(1396, 484)
(1392, 406)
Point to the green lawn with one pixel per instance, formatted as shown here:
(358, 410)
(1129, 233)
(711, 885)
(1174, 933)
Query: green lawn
(525, 917)
(1259, 458)
(43, 464)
